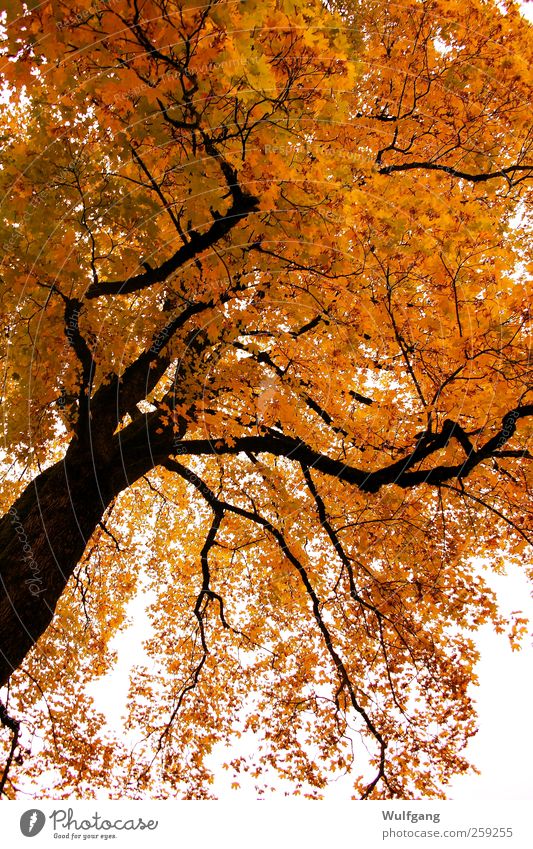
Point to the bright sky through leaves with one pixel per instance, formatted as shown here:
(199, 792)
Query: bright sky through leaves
(266, 355)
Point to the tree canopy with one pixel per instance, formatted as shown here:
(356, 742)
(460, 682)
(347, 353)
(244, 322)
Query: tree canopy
(265, 364)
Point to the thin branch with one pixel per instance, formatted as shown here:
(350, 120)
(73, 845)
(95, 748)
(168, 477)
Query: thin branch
(465, 494)
(219, 507)
(14, 726)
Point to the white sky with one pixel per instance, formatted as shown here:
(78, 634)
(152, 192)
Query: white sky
(502, 749)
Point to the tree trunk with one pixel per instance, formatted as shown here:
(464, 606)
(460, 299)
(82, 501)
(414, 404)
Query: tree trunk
(42, 538)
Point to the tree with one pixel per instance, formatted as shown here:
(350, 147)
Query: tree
(265, 362)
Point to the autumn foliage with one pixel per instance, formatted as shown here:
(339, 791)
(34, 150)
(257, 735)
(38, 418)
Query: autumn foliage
(266, 387)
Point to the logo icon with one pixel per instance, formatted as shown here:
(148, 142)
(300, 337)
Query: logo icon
(32, 822)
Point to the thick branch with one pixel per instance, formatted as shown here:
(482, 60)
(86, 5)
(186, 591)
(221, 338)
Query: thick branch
(198, 243)
(397, 473)
(80, 347)
(455, 172)
(122, 394)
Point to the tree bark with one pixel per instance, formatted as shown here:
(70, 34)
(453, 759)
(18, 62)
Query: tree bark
(42, 539)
